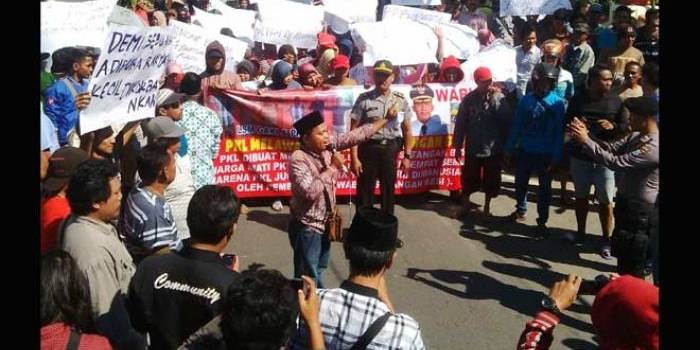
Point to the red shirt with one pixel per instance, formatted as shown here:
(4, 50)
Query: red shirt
(55, 337)
(53, 211)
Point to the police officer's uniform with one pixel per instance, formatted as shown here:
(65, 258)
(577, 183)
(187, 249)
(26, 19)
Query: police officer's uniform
(378, 155)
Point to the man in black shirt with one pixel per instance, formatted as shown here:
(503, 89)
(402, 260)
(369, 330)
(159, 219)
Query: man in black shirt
(171, 296)
(603, 114)
(648, 37)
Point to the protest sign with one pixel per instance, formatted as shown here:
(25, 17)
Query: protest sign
(399, 41)
(190, 42)
(69, 24)
(239, 21)
(417, 2)
(499, 58)
(125, 81)
(532, 7)
(339, 14)
(125, 16)
(285, 22)
(458, 40)
(254, 159)
(395, 12)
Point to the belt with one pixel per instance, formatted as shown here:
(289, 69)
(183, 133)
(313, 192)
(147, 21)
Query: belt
(382, 142)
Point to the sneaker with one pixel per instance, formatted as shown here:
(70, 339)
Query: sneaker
(277, 205)
(605, 251)
(517, 217)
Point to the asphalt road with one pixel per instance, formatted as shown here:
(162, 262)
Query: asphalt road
(470, 282)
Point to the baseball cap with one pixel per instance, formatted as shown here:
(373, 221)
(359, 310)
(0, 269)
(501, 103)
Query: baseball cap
(340, 61)
(62, 165)
(167, 96)
(421, 91)
(160, 127)
(374, 230)
(383, 66)
(482, 74)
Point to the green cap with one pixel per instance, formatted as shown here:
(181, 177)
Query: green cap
(383, 66)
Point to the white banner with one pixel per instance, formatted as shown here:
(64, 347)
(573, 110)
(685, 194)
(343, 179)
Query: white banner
(401, 42)
(69, 24)
(458, 40)
(394, 12)
(239, 21)
(499, 58)
(339, 14)
(417, 2)
(285, 22)
(532, 7)
(126, 78)
(190, 43)
(125, 17)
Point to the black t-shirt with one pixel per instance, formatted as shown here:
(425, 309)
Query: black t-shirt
(171, 296)
(609, 107)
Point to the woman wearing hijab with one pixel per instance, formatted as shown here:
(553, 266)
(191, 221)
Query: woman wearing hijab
(282, 78)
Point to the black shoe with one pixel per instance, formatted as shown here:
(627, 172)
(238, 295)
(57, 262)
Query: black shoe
(541, 232)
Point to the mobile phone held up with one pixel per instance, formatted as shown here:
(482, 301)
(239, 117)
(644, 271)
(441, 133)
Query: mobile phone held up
(592, 287)
(298, 284)
(229, 259)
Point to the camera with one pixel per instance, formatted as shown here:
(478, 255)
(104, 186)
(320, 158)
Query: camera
(592, 287)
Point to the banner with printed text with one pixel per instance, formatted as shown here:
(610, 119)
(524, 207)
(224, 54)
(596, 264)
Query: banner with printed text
(255, 150)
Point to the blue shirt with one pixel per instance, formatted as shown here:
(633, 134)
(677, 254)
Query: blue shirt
(60, 105)
(605, 38)
(538, 126)
(49, 137)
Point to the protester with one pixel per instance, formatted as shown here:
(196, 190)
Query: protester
(309, 78)
(602, 112)
(282, 78)
(171, 296)
(246, 71)
(216, 77)
(65, 305)
(636, 158)
(94, 195)
(605, 38)
(450, 71)
(163, 129)
(624, 53)
(55, 207)
(474, 17)
(141, 9)
(552, 50)
(173, 76)
(288, 54)
(313, 173)
(536, 139)
(648, 37)
(158, 19)
(183, 12)
(326, 51)
(557, 27)
(147, 225)
(631, 86)
(625, 315)
(341, 72)
(202, 129)
(362, 302)
(260, 312)
(527, 56)
(61, 97)
(376, 159)
(579, 56)
(483, 119)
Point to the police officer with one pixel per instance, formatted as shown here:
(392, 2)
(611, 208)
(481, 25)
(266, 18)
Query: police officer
(376, 159)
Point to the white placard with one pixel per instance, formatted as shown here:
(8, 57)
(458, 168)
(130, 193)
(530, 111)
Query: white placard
(289, 11)
(458, 40)
(399, 41)
(395, 12)
(189, 47)
(417, 2)
(499, 58)
(69, 24)
(285, 22)
(532, 7)
(239, 21)
(125, 16)
(125, 81)
(339, 14)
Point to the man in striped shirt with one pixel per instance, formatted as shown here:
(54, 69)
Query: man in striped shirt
(147, 224)
(348, 312)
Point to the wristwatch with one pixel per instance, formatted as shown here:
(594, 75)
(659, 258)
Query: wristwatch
(550, 305)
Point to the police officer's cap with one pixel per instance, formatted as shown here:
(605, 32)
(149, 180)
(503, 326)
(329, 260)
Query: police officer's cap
(643, 106)
(383, 66)
(421, 91)
(308, 122)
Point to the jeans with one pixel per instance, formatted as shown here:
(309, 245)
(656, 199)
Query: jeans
(526, 164)
(311, 251)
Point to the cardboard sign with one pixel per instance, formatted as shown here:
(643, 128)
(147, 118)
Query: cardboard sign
(285, 22)
(399, 41)
(499, 58)
(532, 7)
(69, 24)
(339, 14)
(190, 42)
(126, 78)
(395, 12)
(239, 21)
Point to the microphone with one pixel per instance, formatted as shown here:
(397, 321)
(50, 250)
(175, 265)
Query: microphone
(336, 157)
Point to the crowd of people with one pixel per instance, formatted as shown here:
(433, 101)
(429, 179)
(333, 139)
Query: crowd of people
(133, 226)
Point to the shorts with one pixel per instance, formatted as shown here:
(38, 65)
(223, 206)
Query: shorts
(586, 174)
(482, 173)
